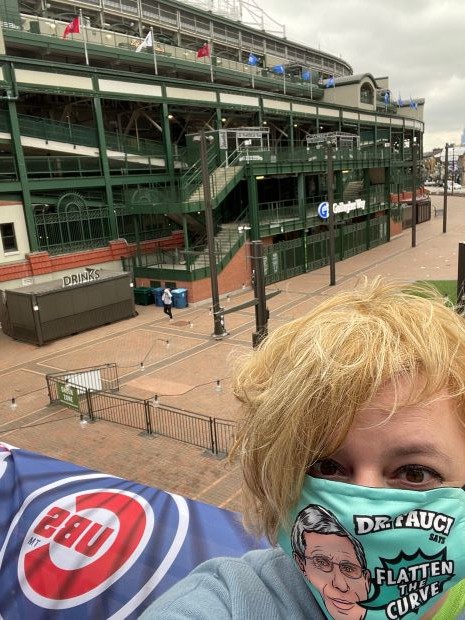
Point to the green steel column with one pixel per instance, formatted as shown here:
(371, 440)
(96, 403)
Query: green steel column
(304, 241)
(138, 256)
(252, 193)
(387, 199)
(366, 191)
(301, 198)
(22, 172)
(339, 193)
(104, 161)
(165, 123)
(291, 132)
(219, 125)
(218, 117)
(185, 231)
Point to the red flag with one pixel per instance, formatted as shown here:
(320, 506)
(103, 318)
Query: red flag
(203, 51)
(72, 27)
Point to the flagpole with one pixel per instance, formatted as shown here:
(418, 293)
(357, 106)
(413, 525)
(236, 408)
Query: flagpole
(154, 52)
(284, 81)
(84, 36)
(211, 61)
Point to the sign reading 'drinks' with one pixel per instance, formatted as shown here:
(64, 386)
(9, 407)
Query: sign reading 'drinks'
(89, 275)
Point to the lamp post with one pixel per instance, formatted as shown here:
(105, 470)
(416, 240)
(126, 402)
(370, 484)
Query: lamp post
(261, 312)
(218, 316)
(330, 187)
(446, 174)
(414, 194)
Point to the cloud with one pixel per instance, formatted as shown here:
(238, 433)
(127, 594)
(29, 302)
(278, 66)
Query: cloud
(418, 44)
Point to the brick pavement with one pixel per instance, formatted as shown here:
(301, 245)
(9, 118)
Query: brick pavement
(184, 374)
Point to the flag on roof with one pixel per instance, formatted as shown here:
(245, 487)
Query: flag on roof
(306, 75)
(331, 82)
(279, 69)
(203, 51)
(413, 104)
(147, 42)
(387, 97)
(252, 60)
(400, 103)
(72, 28)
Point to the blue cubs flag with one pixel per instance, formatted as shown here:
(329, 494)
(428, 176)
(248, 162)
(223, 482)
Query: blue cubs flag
(330, 82)
(76, 543)
(252, 60)
(387, 97)
(413, 104)
(306, 75)
(279, 69)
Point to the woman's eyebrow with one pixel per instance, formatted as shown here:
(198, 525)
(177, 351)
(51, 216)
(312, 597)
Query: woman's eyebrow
(420, 449)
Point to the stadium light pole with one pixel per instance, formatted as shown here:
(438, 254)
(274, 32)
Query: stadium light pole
(218, 316)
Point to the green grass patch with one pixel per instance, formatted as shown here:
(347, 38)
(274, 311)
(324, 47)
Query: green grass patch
(445, 287)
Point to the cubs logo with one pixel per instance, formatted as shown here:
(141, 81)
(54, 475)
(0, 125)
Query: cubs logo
(80, 544)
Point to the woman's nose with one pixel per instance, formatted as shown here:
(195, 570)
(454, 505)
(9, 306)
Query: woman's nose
(367, 477)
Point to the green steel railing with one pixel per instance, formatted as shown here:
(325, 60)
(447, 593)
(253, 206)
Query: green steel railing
(81, 228)
(42, 166)
(8, 170)
(58, 131)
(58, 167)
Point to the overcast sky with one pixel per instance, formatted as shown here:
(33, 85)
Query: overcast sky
(419, 44)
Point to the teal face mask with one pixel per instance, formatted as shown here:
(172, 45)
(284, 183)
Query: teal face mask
(377, 553)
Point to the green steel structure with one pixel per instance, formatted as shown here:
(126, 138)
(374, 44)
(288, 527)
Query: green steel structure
(97, 139)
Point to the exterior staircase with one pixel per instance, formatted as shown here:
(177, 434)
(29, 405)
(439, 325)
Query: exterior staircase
(220, 180)
(353, 190)
(225, 239)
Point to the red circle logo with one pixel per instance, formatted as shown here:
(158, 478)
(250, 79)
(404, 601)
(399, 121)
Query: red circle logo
(82, 543)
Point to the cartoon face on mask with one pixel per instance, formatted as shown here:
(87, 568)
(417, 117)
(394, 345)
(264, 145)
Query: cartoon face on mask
(333, 561)
(388, 554)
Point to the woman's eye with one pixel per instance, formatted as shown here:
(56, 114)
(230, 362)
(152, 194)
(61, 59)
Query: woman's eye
(325, 469)
(418, 474)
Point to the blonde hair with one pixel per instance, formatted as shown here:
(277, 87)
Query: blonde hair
(302, 388)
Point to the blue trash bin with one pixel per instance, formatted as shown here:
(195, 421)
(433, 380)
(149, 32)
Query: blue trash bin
(157, 296)
(179, 297)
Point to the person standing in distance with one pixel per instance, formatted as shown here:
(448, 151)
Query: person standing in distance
(167, 299)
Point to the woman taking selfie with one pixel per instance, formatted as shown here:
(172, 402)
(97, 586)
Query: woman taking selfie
(352, 451)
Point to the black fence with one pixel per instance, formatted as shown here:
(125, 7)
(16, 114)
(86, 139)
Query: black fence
(95, 403)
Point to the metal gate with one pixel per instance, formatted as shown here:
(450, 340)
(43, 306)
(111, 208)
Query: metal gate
(286, 259)
(95, 399)
(283, 260)
(378, 231)
(354, 239)
(317, 250)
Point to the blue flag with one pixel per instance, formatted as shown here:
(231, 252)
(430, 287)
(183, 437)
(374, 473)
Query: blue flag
(139, 540)
(400, 103)
(279, 69)
(413, 104)
(306, 75)
(387, 97)
(253, 60)
(331, 82)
